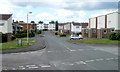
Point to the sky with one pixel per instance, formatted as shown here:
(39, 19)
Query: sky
(57, 10)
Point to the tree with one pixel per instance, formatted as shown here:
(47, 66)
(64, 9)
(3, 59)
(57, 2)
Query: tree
(32, 22)
(40, 22)
(13, 21)
(52, 22)
(56, 26)
(21, 21)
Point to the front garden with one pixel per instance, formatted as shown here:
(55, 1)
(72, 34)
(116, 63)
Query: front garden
(114, 38)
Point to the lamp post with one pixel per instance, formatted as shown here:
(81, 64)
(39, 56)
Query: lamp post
(28, 27)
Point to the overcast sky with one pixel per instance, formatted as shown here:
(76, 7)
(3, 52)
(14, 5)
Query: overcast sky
(61, 10)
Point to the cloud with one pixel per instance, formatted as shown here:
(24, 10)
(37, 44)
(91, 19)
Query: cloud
(68, 4)
(104, 12)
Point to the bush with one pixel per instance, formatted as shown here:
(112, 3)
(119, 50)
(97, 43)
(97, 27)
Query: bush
(78, 33)
(56, 33)
(13, 37)
(20, 35)
(31, 34)
(62, 35)
(114, 36)
(39, 32)
(118, 36)
(4, 38)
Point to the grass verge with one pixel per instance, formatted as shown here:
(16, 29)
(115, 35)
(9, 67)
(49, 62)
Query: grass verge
(96, 41)
(14, 44)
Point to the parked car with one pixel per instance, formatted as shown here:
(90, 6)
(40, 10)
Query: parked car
(74, 37)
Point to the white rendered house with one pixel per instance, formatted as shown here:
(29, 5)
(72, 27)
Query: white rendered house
(6, 23)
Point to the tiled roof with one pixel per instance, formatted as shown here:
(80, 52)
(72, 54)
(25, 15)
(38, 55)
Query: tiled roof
(5, 16)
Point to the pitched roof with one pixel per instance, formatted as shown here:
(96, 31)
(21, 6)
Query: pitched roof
(5, 16)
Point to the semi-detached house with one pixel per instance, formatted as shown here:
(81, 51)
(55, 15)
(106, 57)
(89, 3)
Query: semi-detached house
(6, 25)
(71, 27)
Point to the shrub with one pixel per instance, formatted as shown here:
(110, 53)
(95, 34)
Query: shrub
(13, 37)
(62, 35)
(31, 34)
(78, 33)
(20, 35)
(3, 38)
(118, 35)
(114, 36)
(56, 33)
(39, 31)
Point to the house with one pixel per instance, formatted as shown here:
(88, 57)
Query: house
(100, 26)
(43, 26)
(40, 26)
(61, 27)
(31, 26)
(71, 27)
(6, 25)
(77, 27)
(17, 28)
(51, 26)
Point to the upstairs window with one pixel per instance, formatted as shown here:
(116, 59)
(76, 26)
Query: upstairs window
(77, 27)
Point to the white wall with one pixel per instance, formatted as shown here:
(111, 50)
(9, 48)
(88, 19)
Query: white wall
(60, 27)
(112, 21)
(40, 26)
(74, 29)
(67, 26)
(7, 27)
(51, 27)
(93, 22)
(118, 20)
(101, 22)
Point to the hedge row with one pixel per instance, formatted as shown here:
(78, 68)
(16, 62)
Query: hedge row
(63, 35)
(114, 36)
(39, 32)
(21, 35)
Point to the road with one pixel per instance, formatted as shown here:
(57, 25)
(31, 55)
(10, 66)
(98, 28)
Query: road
(62, 55)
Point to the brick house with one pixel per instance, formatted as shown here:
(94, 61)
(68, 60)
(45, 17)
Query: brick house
(100, 26)
(31, 26)
(17, 28)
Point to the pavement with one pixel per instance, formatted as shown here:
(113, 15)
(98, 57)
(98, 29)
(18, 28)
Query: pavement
(62, 55)
(40, 44)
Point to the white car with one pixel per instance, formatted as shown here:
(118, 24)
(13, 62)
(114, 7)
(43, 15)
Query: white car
(74, 37)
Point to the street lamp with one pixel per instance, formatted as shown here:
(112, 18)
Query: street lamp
(28, 27)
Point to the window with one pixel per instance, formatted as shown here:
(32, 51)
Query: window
(77, 26)
(1, 24)
(104, 31)
(94, 31)
(112, 30)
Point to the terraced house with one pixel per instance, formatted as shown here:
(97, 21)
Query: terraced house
(72, 27)
(100, 26)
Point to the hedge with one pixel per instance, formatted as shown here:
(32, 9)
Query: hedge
(63, 35)
(114, 36)
(56, 33)
(21, 35)
(39, 31)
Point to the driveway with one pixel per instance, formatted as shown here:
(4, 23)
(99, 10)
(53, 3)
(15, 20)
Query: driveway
(62, 55)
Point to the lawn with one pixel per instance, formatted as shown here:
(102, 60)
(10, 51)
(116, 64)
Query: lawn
(96, 41)
(14, 44)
